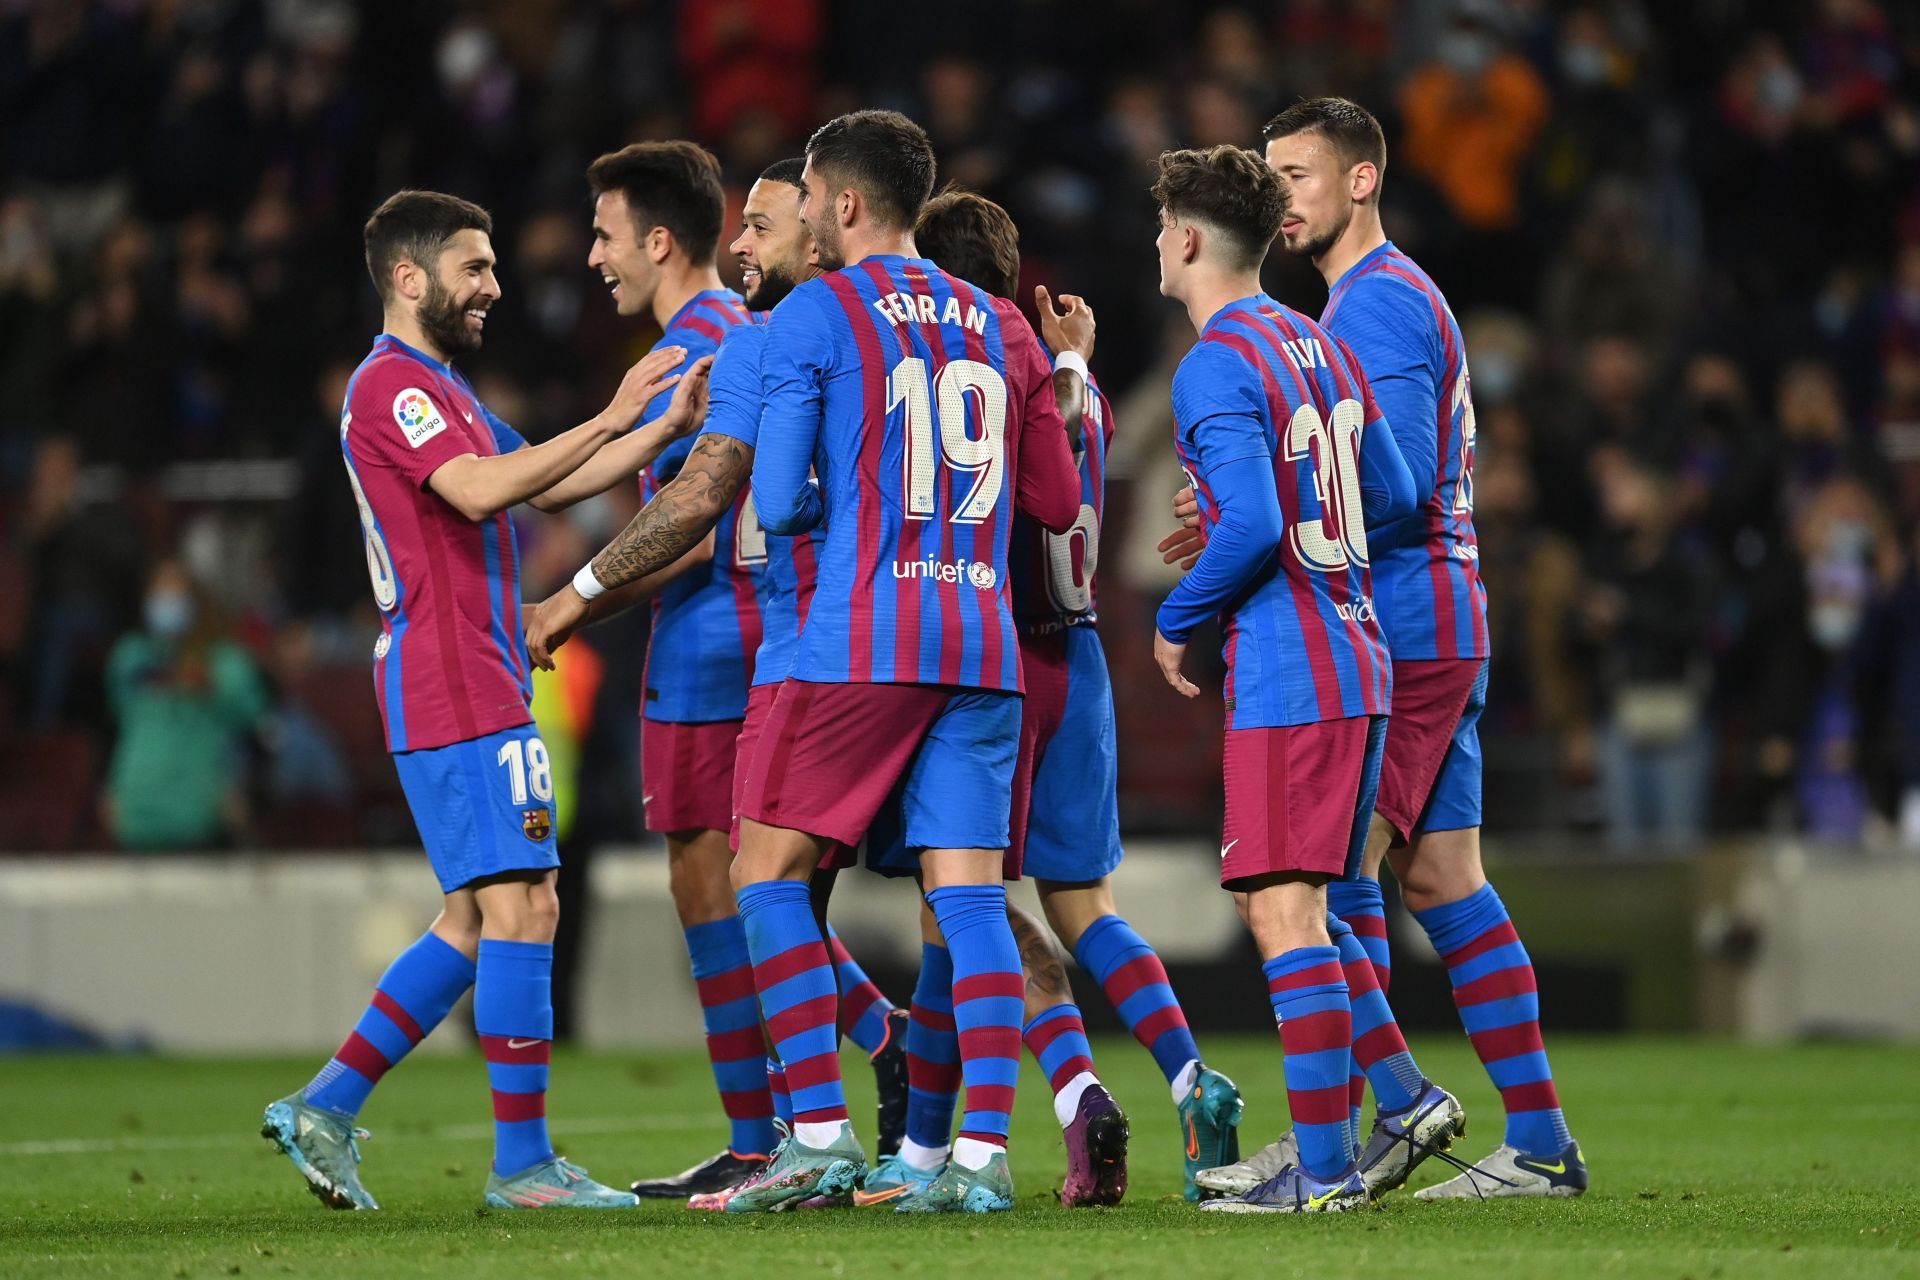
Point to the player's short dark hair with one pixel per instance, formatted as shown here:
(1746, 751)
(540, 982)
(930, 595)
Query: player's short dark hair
(972, 237)
(1229, 188)
(673, 184)
(791, 171)
(883, 155)
(1348, 127)
(413, 226)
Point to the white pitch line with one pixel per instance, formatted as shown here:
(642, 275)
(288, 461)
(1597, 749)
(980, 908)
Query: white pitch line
(445, 1133)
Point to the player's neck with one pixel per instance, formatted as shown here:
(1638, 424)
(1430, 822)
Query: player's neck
(679, 286)
(408, 330)
(860, 243)
(1363, 235)
(1208, 294)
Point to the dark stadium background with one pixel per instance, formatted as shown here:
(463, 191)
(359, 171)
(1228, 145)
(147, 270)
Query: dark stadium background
(1683, 240)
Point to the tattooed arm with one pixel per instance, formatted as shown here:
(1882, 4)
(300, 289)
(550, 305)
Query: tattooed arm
(678, 519)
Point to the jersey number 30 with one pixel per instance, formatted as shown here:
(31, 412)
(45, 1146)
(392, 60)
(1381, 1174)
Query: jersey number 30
(1332, 447)
(933, 436)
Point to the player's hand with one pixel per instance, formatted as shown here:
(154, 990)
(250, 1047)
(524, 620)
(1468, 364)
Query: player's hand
(550, 624)
(647, 379)
(1186, 507)
(1068, 330)
(687, 411)
(1169, 656)
(1183, 545)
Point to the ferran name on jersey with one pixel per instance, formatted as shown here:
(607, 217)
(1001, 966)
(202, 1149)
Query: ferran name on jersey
(414, 414)
(920, 308)
(537, 824)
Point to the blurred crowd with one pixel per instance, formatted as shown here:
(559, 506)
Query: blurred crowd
(1683, 240)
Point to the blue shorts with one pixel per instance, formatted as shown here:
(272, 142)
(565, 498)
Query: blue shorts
(483, 806)
(910, 766)
(1066, 805)
(1431, 778)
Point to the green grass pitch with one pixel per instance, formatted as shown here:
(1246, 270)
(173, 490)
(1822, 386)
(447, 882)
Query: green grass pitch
(1709, 1160)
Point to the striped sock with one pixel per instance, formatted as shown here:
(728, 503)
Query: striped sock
(987, 1003)
(723, 973)
(933, 1053)
(513, 1014)
(1499, 1004)
(1057, 1038)
(413, 996)
(1360, 903)
(863, 1009)
(797, 995)
(1380, 1054)
(782, 1098)
(1316, 1033)
(1135, 981)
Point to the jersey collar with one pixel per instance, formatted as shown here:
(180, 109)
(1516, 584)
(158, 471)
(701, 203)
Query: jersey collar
(1251, 302)
(438, 366)
(1363, 266)
(705, 295)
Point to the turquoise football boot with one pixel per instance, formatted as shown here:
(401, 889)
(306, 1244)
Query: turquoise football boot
(988, 1189)
(799, 1173)
(554, 1184)
(1209, 1126)
(891, 1179)
(323, 1146)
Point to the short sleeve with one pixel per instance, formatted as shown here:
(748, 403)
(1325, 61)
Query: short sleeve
(1220, 407)
(505, 438)
(404, 423)
(733, 385)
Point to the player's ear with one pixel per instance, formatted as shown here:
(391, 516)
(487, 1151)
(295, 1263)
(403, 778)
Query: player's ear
(813, 252)
(659, 243)
(409, 280)
(847, 205)
(1362, 181)
(1189, 243)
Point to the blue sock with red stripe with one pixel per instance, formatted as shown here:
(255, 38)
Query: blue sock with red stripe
(1309, 997)
(413, 995)
(513, 1014)
(1499, 1003)
(863, 1009)
(1135, 981)
(782, 1097)
(1363, 906)
(798, 997)
(933, 1059)
(1380, 1054)
(723, 973)
(988, 1006)
(1057, 1038)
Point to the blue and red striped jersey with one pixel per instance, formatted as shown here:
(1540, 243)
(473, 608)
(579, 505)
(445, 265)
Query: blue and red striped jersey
(1266, 391)
(706, 623)
(1053, 573)
(450, 663)
(1426, 569)
(925, 408)
(782, 568)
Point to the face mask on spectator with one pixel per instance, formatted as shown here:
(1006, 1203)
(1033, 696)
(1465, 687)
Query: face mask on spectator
(169, 614)
(1584, 64)
(1467, 52)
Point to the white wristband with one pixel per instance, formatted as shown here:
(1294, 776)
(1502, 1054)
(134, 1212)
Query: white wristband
(1074, 361)
(586, 584)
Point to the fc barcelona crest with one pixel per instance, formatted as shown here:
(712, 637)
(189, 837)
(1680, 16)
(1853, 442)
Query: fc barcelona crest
(537, 823)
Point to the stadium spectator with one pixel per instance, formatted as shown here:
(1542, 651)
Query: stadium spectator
(186, 698)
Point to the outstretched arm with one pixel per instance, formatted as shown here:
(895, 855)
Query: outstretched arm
(626, 457)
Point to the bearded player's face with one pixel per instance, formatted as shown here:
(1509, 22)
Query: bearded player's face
(774, 247)
(1319, 201)
(460, 291)
(819, 210)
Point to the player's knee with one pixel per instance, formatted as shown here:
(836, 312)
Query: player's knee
(1439, 867)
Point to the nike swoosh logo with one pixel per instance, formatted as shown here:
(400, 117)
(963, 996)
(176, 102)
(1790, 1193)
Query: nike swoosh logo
(523, 1044)
(646, 799)
(1193, 1140)
(467, 416)
(1541, 1166)
(1314, 1202)
(862, 1199)
(1227, 848)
